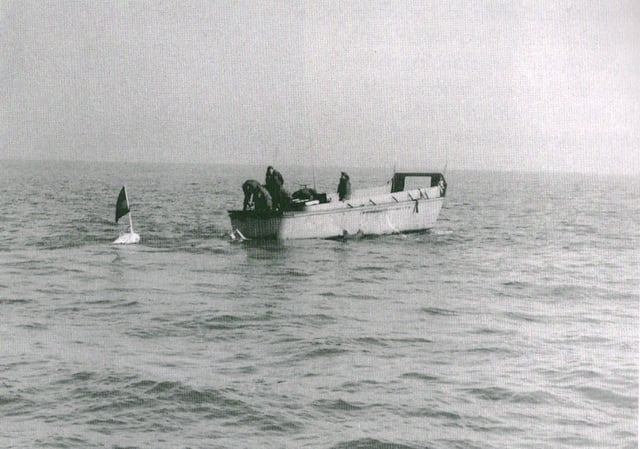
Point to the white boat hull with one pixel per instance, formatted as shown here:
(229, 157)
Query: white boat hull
(368, 218)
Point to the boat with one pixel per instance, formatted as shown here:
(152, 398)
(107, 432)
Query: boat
(122, 209)
(396, 207)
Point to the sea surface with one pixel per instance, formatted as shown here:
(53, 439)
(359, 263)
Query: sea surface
(512, 324)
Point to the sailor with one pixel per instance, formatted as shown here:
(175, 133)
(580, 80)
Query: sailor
(262, 199)
(274, 182)
(443, 186)
(250, 187)
(344, 187)
(284, 200)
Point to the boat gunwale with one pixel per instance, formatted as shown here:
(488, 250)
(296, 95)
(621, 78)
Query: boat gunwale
(240, 214)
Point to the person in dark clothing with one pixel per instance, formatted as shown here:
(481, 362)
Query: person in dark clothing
(263, 200)
(256, 195)
(269, 174)
(284, 201)
(344, 187)
(274, 182)
(249, 188)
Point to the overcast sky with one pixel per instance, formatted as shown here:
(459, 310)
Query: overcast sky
(525, 85)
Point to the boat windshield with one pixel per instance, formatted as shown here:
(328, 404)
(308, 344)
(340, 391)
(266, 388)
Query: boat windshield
(409, 181)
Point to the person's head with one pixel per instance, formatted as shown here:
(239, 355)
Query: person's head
(269, 170)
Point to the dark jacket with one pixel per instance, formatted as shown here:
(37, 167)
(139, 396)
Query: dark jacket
(344, 187)
(256, 194)
(273, 183)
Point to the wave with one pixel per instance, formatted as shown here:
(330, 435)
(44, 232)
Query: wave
(370, 341)
(420, 376)
(449, 417)
(438, 311)
(15, 301)
(498, 394)
(105, 399)
(337, 405)
(371, 443)
(521, 316)
(16, 404)
(322, 352)
(347, 294)
(222, 322)
(602, 395)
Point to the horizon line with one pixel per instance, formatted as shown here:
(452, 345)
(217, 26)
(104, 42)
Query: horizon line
(297, 165)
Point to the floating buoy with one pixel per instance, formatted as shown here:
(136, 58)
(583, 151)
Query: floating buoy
(122, 209)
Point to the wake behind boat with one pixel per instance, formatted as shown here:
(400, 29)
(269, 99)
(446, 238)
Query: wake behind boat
(387, 209)
(122, 209)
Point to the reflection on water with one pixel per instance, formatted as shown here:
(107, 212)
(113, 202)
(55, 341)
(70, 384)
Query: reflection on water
(265, 249)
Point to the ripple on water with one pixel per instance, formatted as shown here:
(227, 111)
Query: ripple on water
(420, 376)
(499, 394)
(341, 405)
(437, 311)
(112, 402)
(371, 443)
(604, 396)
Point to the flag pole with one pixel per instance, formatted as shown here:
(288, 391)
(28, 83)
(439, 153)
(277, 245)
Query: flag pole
(130, 220)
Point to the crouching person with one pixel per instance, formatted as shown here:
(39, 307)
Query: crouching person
(249, 188)
(256, 197)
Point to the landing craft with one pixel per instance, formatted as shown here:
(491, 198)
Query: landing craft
(122, 209)
(396, 207)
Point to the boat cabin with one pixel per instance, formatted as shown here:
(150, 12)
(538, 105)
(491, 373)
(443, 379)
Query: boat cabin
(399, 180)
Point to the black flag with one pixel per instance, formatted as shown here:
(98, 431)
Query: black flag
(121, 205)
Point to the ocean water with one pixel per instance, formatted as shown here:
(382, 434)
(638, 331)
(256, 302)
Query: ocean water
(513, 323)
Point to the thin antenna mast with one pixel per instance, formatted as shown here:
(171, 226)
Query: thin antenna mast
(310, 146)
(307, 79)
(313, 168)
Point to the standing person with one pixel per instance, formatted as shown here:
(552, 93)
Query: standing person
(274, 182)
(344, 187)
(267, 177)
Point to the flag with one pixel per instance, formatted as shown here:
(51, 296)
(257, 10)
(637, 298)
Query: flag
(122, 208)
